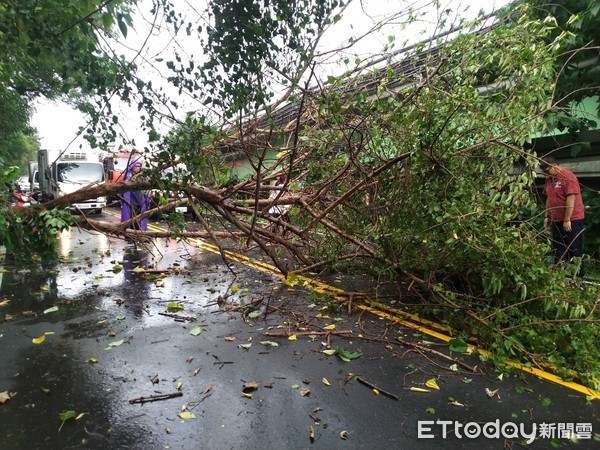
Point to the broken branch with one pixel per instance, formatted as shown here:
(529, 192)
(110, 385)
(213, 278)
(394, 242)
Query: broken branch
(372, 386)
(154, 398)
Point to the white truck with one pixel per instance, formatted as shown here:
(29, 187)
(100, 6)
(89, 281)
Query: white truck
(68, 173)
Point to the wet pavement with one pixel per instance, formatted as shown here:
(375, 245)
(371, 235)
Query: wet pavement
(229, 375)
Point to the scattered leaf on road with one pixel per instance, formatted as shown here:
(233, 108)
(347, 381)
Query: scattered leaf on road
(254, 314)
(293, 337)
(4, 303)
(418, 389)
(230, 338)
(432, 384)
(270, 343)
(196, 331)
(375, 391)
(455, 403)
(244, 346)
(329, 327)
(491, 393)
(311, 434)
(250, 386)
(64, 416)
(116, 343)
(187, 415)
(174, 306)
(295, 386)
(39, 340)
(346, 355)
(344, 434)
(304, 392)
(93, 360)
(6, 396)
(329, 352)
(326, 382)
(51, 310)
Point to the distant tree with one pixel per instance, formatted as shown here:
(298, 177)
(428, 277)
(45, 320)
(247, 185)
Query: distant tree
(56, 50)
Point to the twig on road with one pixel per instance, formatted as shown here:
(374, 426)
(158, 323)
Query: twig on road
(177, 317)
(154, 398)
(435, 352)
(306, 333)
(372, 386)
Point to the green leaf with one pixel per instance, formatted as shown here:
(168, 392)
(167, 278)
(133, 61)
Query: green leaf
(458, 345)
(254, 314)
(173, 306)
(66, 415)
(122, 27)
(329, 352)
(51, 310)
(244, 346)
(346, 355)
(270, 343)
(196, 331)
(430, 410)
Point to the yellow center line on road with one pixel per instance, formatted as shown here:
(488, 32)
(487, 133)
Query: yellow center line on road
(411, 321)
(532, 370)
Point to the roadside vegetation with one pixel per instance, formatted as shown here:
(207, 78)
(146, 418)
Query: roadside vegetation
(415, 169)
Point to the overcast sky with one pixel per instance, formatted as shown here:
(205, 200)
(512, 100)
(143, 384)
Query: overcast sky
(57, 123)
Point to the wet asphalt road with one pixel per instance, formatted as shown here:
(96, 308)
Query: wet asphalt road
(113, 340)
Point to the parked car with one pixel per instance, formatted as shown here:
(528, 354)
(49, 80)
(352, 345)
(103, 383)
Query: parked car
(24, 184)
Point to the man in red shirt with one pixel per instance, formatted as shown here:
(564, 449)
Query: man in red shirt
(564, 211)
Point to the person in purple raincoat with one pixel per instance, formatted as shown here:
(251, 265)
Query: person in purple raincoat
(134, 202)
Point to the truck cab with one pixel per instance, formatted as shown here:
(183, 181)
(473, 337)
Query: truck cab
(67, 174)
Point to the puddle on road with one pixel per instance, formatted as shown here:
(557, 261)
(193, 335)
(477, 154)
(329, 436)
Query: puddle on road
(99, 304)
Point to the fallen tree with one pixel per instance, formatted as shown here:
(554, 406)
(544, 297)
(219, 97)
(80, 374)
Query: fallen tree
(410, 172)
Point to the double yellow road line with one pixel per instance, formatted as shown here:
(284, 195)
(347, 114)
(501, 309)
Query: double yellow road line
(395, 315)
